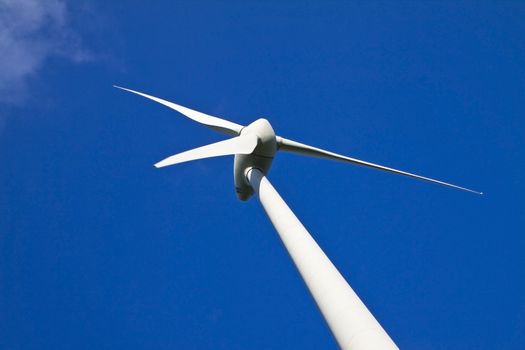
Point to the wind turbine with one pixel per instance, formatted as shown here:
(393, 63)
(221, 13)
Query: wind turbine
(254, 147)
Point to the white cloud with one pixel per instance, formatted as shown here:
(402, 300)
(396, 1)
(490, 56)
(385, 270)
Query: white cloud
(31, 31)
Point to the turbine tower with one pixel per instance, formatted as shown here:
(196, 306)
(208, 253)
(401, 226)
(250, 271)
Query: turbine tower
(254, 147)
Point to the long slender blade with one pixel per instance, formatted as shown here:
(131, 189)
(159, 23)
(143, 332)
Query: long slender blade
(299, 148)
(215, 123)
(244, 144)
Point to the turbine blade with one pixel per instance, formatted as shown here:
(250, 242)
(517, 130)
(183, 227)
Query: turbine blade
(244, 144)
(299, 148)
(215, 123)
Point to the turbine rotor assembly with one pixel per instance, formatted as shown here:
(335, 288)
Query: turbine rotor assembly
(255, 145)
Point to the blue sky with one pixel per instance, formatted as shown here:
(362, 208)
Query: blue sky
(100, 250)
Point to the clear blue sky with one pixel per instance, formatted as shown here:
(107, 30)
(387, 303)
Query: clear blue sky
(99, 250)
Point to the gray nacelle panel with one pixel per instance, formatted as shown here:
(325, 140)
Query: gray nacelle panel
(243, 162)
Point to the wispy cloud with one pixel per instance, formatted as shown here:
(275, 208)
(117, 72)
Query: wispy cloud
(32, 31)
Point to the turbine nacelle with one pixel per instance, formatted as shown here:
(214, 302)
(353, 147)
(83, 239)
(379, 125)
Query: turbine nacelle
(261, 158)
(254, 146)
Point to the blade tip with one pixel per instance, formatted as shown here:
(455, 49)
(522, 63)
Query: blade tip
(122, 88)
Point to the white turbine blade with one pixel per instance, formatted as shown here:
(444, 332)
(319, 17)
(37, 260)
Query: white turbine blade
(244, 144)
(299, 148)
(215, 123)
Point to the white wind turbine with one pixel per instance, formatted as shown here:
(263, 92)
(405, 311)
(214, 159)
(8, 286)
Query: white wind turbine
(254, 147)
